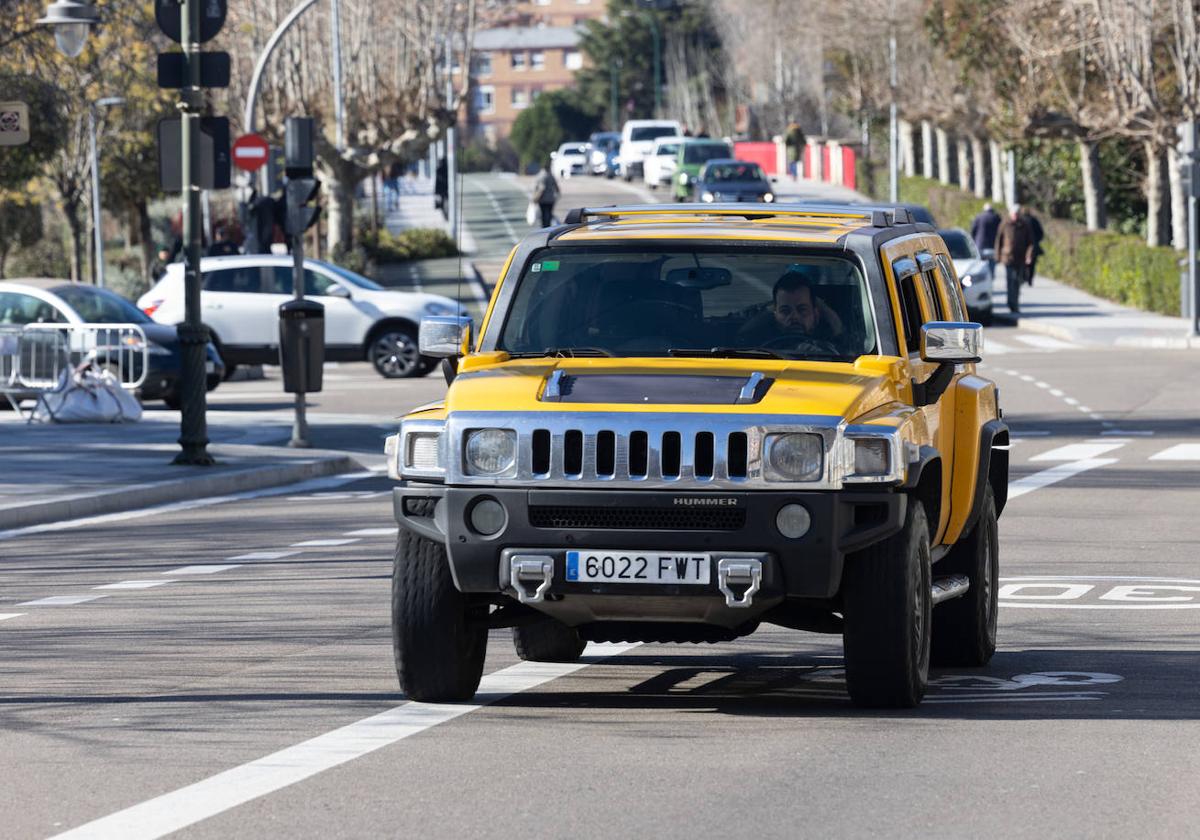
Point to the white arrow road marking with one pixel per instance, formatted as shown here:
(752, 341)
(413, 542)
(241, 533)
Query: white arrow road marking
(188, 805)
(1054, 475)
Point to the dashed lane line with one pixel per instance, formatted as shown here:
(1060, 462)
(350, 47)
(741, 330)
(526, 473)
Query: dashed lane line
(264, 555)
(217, 794)
(61, 600)
(325, 543)
(134, 584)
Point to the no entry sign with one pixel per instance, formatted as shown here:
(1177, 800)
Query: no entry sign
(250, 152)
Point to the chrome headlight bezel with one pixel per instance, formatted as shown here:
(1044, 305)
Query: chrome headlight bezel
(872, 436)
(496, 443)
(404, 448)
(775, 451)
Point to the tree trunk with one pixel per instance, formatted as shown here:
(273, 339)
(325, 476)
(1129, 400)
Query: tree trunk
(1178, 201)
(70, 211)
(1093, 185)
(997, 172)
(1156, 233)
(927, 149)
(908, 149)
(142, 213)
(943, 156)
(340, 179)
(980, 169)
(964, 164)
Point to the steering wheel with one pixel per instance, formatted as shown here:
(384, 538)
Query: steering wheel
(801, 344)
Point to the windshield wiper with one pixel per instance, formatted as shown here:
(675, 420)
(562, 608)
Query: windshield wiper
(725, 352)
(569, 352)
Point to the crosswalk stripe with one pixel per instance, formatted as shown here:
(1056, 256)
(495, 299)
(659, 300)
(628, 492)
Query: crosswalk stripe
(1055, 474)
(61, 600)
(1179, 452)
(1044, 342)
(995, 348)
(1077, 451)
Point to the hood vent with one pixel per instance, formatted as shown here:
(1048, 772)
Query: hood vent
(656, 389)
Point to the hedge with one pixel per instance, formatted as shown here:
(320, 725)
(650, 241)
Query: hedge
(1116, 266)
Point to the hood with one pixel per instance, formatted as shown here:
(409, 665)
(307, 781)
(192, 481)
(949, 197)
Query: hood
(162, 334)
(737, 187)
(393, 301)
(678, 385)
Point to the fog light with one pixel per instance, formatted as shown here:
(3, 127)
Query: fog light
(487, 517)
(793, 521)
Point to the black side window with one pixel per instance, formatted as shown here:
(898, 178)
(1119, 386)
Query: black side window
(279, 280)
(243, 280)
(22, 309)
(911, 311)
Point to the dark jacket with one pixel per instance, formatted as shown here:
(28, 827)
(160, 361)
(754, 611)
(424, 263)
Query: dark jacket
(545, 188)
(1014, 242)
(983, 229)
(1036, 231)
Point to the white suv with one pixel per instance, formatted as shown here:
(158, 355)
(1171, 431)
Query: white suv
(658, 168)
(240, 305)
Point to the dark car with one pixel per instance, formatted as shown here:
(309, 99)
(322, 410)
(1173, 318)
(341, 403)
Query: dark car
(726, 180)
(54, 301)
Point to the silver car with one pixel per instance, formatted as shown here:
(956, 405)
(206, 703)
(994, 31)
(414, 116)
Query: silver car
(974, 273)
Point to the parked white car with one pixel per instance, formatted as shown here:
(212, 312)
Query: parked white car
(571, 159)
(637, 141)
(659, 166)
(240, 304)
(974, 273)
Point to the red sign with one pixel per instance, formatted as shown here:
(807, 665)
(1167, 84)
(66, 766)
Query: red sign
(250, 152)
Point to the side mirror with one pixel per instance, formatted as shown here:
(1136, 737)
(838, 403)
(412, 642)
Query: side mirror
(338, 291)
(951, 342)
(445, 336)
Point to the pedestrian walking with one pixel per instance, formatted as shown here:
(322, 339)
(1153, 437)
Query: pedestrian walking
(1014, 248)
(983, 231)
(545, 194)
(1038, 233)
(441, 189)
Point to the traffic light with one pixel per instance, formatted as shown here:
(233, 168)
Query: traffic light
(300, 214)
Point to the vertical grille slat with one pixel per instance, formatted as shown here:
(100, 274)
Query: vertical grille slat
(671, 455)
(703, 461)
(606, 454)
(573, 452)
(639, 455)
(736, 460)
(541, 452)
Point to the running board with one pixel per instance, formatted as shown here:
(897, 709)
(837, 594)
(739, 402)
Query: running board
(945, 588)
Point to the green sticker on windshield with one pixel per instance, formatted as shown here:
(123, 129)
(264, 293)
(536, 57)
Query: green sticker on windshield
(549, 265)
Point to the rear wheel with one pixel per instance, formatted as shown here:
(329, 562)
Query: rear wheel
(887, 603)
(548, 640)
(439, 649)
(964, 628)
(395, 354)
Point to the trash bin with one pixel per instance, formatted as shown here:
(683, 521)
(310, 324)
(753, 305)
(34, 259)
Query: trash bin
(302, 345)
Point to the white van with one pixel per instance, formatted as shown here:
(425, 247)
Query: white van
(637, 141)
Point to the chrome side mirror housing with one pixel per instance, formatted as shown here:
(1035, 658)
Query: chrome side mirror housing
(951, 342)
(338, 291)
(445, 336)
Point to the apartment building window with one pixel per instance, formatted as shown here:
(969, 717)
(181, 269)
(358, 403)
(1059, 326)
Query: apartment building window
(485, 99)
(572, 59)
(537, 60)
(483, 64)
(520, 98)
(518, 61)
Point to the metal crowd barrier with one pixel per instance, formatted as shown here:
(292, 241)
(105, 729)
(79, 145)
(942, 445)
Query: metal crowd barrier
(35, 357)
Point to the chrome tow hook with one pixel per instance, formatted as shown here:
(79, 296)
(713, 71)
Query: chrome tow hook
(739, 573)
(531, 577)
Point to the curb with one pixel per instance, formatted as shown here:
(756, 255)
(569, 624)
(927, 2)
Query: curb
(133, 497)
(1147, 342)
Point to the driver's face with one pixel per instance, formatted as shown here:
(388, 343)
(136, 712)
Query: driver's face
(794, 310)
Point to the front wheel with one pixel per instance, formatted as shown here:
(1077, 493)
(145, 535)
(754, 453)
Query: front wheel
(964, 628)
(439, 649)
(548, 640)
(887, 602)
(395, 354)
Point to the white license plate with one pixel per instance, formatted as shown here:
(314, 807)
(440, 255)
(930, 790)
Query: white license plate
(625, 566)
(210, 367)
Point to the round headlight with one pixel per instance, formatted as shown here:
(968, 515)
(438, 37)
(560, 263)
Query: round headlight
(708, 196)
(797, 457)
(793, 521)
(768, 197)
(491, 451)
(487, 517)
(966, 281)
(683, 178)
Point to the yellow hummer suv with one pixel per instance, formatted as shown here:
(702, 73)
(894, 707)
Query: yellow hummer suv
(678, 422)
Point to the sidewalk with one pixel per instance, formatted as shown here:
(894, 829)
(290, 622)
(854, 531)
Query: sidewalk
(1066, 313)
(50, 473)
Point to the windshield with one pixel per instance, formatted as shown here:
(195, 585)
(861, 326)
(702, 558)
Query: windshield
(702, 152)
(355, 279)
(667, 149)
(734, 172)
(99, 306)
(600, 301)
(573, 150)
(959, 244)
(652, 132)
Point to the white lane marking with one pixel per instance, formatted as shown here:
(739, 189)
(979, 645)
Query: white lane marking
(1045, 342)
(1025, 377)
(1123, 432)
(1035, 433)
(216, 794)
(1014, 699)
(60, 600)
(134, 584)
(1042, 385)
(1054, 475)
(1054, 392)
(264, 555)
(996, 348)
(191, 504)
(203, 570)
(4, 616)
(1070, 401)
(500, 214)
(1077, 451)
(324, 543)
(373, 532)
(1179, 452)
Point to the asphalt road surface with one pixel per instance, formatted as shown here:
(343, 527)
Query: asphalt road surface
(225, 669)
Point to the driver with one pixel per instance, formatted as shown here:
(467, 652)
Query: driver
(795, 312)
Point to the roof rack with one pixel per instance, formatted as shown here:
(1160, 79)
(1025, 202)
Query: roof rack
(877, 216)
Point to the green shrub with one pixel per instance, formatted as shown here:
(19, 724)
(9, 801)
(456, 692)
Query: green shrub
(411, 244)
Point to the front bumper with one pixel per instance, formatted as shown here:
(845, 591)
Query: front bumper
(555, 521)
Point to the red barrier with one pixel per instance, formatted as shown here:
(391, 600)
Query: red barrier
(761, 153)
(849, 168)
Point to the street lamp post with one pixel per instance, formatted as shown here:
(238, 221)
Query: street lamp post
(70, 20)
(97, 233)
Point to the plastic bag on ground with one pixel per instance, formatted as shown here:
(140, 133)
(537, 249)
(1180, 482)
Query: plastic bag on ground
(88, 395)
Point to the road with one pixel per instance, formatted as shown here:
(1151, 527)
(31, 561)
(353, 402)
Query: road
(225, 669)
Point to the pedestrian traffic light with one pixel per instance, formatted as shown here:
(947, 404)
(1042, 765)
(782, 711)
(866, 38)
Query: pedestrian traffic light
(300, 214)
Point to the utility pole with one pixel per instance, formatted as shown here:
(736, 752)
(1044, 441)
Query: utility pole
(339, 109)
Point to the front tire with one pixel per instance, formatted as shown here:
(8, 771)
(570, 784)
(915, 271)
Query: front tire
(439, 649)
(964, 629)
(887, 601)
(548, 640)
(395, 354)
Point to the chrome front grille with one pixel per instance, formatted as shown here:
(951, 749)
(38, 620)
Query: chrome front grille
(637, 449)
